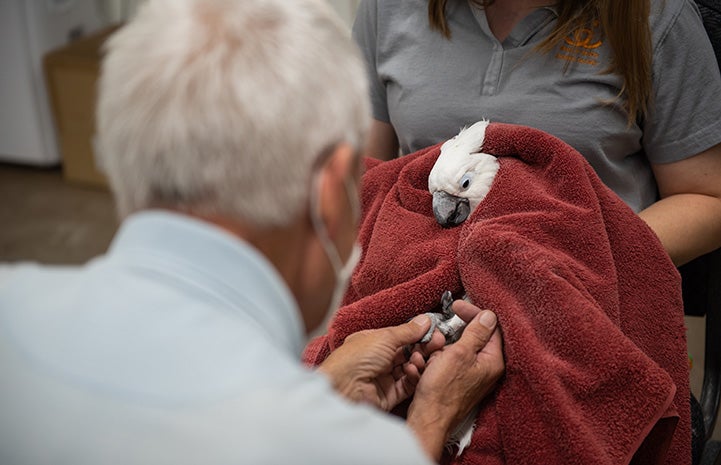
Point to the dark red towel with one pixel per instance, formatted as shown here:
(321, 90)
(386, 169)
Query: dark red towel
(588, 301)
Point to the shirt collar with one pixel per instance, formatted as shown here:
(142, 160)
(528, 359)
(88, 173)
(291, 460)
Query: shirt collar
(525, 30)
(229, 268)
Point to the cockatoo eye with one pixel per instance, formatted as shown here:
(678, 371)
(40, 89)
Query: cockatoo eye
(466, 181)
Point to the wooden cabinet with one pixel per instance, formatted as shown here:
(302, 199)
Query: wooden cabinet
(71, 77)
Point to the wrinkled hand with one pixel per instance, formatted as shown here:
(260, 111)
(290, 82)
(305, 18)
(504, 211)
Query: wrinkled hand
(456, 378)
(371, 366)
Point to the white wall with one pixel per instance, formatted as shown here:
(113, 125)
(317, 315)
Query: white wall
(118, 10)
(346, 9)
(28, 29)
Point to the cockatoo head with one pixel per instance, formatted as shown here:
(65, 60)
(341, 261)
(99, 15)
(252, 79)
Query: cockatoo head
(462, 176)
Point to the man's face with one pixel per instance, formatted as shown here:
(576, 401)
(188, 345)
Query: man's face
(336, 271)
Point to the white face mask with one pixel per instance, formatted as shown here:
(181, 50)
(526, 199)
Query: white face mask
(341, 285)
(343, 271)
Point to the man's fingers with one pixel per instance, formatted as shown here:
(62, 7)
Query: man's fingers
(438, 340)
(494, 346)
(466, 311)
(409, 333)
(479, 331)
(418, 360)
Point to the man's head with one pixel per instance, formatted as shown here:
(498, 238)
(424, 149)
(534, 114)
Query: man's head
(223, 106)
(228, 109)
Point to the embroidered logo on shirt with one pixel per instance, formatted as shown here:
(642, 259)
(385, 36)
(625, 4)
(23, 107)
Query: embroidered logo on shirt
(579, 46)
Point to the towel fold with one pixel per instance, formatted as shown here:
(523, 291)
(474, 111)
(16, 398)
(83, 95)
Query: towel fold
(588, 301)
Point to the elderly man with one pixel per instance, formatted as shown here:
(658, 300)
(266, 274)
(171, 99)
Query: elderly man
(229, 131)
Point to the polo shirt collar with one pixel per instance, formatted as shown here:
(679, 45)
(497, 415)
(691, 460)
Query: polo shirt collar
(215, 260)
(524, 31)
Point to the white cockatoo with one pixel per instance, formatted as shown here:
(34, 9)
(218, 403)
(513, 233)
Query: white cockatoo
(460, 179)
(462, 176)
(451, 326)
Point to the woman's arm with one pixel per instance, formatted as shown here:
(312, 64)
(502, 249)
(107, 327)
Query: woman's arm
(382, 141)
(687, 219)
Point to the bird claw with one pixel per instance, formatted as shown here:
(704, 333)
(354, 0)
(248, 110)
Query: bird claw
(435, 321)
(447, 322)
(446, 303)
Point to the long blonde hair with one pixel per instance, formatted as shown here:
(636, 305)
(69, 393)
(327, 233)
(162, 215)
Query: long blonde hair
(624, 24)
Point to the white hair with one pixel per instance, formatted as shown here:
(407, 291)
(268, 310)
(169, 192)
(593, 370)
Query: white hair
(222, 107)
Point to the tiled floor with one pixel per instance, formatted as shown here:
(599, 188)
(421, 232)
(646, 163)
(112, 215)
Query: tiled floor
(45, 219)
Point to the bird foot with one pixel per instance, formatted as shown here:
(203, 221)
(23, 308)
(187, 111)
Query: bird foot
(447, 322)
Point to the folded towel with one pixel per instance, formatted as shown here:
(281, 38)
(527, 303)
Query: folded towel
(588, 301)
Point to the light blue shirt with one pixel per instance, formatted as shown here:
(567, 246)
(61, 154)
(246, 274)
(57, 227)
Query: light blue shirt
(181, 345)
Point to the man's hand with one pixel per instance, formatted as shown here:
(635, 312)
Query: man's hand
(456, 378)
(371, 366)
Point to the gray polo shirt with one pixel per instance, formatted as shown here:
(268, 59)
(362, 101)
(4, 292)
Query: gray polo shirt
(429, 87)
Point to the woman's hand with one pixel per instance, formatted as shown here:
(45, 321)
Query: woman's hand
(372, 366)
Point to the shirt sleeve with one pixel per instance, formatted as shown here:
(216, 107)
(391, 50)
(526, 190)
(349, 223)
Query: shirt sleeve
(685, 112)
(365, 34)
(5, 271)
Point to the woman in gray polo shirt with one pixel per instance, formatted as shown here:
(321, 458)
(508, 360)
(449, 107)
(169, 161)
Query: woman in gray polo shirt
(475, 62)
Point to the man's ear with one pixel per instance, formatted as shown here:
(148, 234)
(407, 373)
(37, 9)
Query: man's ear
(333, 201)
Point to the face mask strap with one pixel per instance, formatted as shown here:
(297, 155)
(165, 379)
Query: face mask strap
(330, 249)
(342, 271)
(354, 200)
(320, 229)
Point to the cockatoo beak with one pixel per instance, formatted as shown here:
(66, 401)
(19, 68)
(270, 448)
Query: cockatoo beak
(450, 210)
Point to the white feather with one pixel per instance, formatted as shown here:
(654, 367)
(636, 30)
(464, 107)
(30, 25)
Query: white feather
(468, 140)
(461, 156)
(461, 436)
